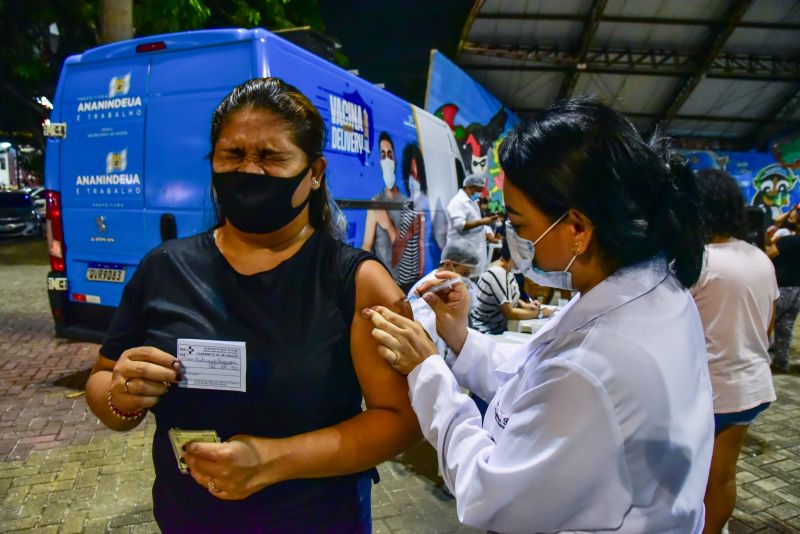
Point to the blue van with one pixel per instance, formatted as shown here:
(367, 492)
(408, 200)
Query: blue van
(127, 155)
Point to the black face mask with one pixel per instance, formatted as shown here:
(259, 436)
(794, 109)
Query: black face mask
(258, 203)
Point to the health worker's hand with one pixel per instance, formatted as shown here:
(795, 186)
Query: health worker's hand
(451, 307)
(141, 376)
(231, 471)
(403, 343)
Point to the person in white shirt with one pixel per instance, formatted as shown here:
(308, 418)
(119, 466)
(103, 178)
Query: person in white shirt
(498, 298)
(736, 296)
(465, 222)
(457, 257)
(603, 421)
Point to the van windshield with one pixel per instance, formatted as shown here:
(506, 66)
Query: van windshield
(14, 200)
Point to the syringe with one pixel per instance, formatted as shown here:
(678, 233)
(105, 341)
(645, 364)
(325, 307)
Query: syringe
(447, 284)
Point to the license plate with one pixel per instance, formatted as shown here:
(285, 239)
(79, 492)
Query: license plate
(105, 273)
(56, 284)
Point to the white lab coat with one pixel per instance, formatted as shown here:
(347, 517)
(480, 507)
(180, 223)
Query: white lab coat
(461, 209)
(602, 422)
(423, 313)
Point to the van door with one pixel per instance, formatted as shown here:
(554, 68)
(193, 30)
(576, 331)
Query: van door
(186, 86)
(440, 153)
(101, 175)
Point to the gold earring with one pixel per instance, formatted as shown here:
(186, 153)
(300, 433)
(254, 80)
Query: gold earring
(576, 248)
(315, 182)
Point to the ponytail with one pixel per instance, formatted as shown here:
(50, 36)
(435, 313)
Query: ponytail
(677, 228)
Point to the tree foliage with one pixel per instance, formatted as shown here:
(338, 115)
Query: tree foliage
(30, 64)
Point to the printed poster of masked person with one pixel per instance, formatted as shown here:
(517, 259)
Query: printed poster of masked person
(396, 236)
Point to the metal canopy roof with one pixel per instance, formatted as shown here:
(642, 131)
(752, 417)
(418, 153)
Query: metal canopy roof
(724, 70)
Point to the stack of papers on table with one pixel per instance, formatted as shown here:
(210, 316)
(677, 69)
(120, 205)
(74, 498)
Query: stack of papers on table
(531, 326)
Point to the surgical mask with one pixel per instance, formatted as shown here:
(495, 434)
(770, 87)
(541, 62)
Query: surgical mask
(475, 196)
(522, 252)
(258, 203)
(387, 168)
(413, 188)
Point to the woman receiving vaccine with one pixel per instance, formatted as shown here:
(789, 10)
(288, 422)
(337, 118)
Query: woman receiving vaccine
(603, 421)
(297, 451)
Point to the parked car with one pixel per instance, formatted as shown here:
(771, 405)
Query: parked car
(18, 215)
(37, 194)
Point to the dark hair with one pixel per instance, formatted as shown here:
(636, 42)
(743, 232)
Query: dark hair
(582, 154)
(412, 152)
(384, 136)
(505, 252)
(306, 126)
(721, 204)
(786, 223)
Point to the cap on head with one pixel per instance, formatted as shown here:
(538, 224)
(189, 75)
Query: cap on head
(462, 253)
(475, 180)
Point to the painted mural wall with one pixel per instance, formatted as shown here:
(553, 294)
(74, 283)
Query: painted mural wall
(479, 122)
(767, 179)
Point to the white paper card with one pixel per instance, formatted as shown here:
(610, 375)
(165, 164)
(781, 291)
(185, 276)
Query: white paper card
(209, 364)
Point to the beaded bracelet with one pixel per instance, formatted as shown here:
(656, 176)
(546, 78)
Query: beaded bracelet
(125, 416)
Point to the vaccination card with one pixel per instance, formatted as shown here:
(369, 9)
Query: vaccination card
(210, 364)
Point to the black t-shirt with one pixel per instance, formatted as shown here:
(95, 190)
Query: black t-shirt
(787, 263)
(295, 320)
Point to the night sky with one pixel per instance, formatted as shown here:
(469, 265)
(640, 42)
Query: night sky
(390, 42)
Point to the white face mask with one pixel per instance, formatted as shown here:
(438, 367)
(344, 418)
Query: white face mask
(522, 252)
(387, 168)
(414, 189)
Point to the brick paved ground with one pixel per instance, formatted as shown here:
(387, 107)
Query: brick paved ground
(61, 471)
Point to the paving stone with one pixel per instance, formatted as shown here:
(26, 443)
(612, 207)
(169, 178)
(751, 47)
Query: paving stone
(783, 511)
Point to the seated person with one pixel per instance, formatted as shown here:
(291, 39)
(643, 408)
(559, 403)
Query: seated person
(458, 257)
(498, 298)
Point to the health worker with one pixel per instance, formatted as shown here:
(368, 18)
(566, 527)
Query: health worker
(603, 421)
(465, 222)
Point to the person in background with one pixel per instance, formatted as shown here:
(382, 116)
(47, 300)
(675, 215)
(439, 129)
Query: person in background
(498, 297)
(786, 224)
(381, 228)
(457, 257)
(408, 251)
(298, 450)
(603, 421)
(735, 295)
(414, 178)
(465, 222)
(785, 255)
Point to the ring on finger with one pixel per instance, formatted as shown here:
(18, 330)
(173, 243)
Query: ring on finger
(212, 487)
(125, 387)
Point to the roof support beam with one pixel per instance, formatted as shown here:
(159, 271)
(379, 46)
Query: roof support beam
(589, 30)
(638, 62)
(719, 33)
(568, 17)
(777, 118)
(654, 116)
